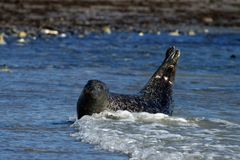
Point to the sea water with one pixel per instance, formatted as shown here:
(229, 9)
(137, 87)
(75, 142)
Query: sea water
(45, 76)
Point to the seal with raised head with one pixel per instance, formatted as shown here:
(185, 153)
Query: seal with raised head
(155, 97)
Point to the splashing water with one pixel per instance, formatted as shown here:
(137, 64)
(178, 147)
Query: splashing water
(158, 136)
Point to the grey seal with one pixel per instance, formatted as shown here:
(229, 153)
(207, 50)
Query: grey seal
(155, 97)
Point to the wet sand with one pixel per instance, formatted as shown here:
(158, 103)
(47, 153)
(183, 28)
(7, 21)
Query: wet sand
(123, 15)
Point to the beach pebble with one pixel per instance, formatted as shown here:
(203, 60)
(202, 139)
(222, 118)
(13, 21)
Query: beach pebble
(174, 33)
(2, 40)
(107, 29)
(50, 32)
(207, 19)
(63, 35)
(21, 40)
(191, 33)
(22, 34)
(206, 30)
(141, 34)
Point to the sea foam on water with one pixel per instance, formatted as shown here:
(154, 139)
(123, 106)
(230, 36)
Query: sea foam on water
(157, 136)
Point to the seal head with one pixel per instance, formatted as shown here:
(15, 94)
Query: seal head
(93, 99)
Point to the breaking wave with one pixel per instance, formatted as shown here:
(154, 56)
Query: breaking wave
(157, 136)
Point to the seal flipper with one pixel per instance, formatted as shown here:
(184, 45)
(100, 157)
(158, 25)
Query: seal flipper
(160, 84)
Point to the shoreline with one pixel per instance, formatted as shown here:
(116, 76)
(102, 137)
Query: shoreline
(87, 16)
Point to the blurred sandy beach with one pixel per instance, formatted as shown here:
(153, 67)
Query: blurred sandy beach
(121, 15)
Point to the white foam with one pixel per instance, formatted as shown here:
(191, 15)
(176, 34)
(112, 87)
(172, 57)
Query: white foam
(156, 136)
(119, 115)
(215, 121)
(225, 122)
(141, 117)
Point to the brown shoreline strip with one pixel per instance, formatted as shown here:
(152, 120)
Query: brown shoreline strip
(125, 15)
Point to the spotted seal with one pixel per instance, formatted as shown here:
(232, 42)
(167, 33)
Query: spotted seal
(155, 97)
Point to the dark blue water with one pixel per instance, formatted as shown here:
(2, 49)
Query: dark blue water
(44, 78)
